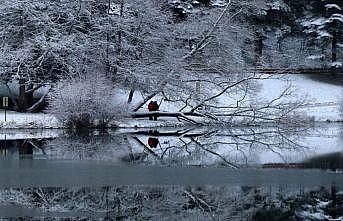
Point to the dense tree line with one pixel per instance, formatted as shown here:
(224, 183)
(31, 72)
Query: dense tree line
(165, 48)
(305, 32)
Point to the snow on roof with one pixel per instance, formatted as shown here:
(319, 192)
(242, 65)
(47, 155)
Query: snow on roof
(114, 9)
(314, 22)
(219, 3)
(337, 64)
(329, 6)
(278, 5)
(14, 87)
(313, 215)
(315, 57)
(323, 34)
(336, 17)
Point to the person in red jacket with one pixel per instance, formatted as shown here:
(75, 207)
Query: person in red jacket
(155, 108)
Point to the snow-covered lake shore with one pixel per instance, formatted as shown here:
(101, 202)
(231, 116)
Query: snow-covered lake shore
(323, 106)
(15, 120)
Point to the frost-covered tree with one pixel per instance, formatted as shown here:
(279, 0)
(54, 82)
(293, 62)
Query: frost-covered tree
(194, 62)
(323, 24)
(30, 45)
(85, 101)
(43, 41)
(272, 26)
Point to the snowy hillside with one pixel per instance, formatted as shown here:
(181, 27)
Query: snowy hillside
(324, 98)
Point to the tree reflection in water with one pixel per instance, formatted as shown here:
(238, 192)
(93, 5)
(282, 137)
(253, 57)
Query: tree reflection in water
(180, 202)
(233, 147)
(220, 147)
(230, 147)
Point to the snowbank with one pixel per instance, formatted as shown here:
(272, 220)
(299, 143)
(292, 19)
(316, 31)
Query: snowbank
(27, 120)
(21, 134)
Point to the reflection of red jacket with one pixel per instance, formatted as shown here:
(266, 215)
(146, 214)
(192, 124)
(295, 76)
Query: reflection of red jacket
(153, 142)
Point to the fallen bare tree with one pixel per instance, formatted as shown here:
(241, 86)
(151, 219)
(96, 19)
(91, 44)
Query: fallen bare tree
(208, 81)
(240, 109)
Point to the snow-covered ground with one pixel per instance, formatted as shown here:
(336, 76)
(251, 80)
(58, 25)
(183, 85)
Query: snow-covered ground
(27, 120)
(21, 134)
(17, 120)
(324, 100)
(143, 123)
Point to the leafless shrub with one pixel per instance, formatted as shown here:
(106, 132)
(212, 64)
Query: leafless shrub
(84, 102)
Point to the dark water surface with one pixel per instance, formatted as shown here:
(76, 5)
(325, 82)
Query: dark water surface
(246, 173)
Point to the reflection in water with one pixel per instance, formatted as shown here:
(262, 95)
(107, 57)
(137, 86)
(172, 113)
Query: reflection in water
(180, 147)
(22, 148)
(153, 142)
(332, 161)
(224, 147)
(178, 202)
(233, 147)
(205, 147)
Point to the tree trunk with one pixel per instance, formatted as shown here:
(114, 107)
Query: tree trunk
(322, 58)
(164, 114)
(258, 45)
(334, 47)
(119, 44)
(129, 100)
(25, 98)
(22, 102)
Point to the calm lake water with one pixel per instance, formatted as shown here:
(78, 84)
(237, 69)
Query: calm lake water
(239, 173)
(238, 147)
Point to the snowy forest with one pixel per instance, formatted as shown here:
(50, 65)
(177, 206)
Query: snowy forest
(89, 63)
(171, 110)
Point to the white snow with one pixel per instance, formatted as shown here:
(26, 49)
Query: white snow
(336, 17)
(322, 204)
(323, 106)
(329, 6)
(27, 120)
(20, 134)
(317, 212)
(143, 123)
(315, 57)
(219, 3)
(323, 34)
(115, 9)
(14, 87)
(337, 64)
(313, 216)
(314, 22)
(324, 98)
(337, 219)
(278, 5)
